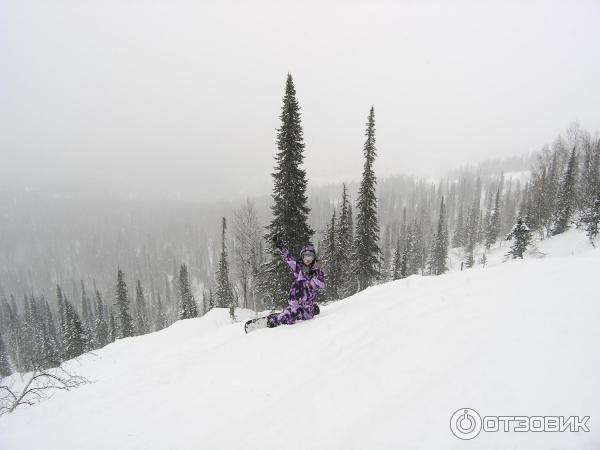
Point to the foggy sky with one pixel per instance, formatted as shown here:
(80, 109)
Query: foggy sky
(185, 96)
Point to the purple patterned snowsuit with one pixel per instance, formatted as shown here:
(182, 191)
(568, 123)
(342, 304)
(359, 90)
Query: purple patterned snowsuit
(303, 292)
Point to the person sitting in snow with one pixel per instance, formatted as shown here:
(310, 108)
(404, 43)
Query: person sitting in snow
(308, 279)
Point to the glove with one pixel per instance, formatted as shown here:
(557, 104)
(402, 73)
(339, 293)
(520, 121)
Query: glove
(277, 242)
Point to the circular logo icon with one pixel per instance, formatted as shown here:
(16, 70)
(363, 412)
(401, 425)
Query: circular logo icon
(465, 423)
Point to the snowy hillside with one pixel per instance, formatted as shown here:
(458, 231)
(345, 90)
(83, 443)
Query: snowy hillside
(384, 369)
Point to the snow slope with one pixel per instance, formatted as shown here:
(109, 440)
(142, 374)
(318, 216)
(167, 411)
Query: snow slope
(384, 369)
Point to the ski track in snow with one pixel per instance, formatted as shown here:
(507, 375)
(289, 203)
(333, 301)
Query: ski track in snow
(383, 369)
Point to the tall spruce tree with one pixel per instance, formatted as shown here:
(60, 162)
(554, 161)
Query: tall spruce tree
(205, 305)
(290, 209)
(161, 317)
(74, 336)
(397, 262)
(493, 225)
(87, 313)
(521, 236)
(387, 254)
(101, 331)
(567, 201)
(211, 300)
(411, 259)
(414, 246)
(50, 347)
(591, 219)
(5, 365)
(345, 239)
(170, 303)
(590, 176)
(9, 325)
(188, 308)
(458, 240)
(471, 234)
(14, 336)
(509, 209)
(61, 319)
(439, 248)
(141, 312)
(112, 326)
(368, 255)
(125, 322)
(538, 180)
(224, 293)
(550, 194)
(38, 326)
(30, 330)
(329, 259)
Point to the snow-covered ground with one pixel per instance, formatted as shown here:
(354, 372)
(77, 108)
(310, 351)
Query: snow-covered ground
(384, 369)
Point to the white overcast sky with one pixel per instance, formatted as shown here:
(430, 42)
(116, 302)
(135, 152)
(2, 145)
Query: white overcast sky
(185, 95)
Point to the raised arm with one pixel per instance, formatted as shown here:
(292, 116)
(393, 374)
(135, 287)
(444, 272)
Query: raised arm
(289, 259)
(286, 256)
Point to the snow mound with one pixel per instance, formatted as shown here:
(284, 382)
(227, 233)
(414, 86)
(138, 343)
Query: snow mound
(385, 368)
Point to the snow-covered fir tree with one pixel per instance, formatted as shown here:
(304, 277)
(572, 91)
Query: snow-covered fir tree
(171, 305)
(188, 308)
(161, 317)
(211, 300)
(5, 364)
(471, 234)
(87, 316)
(591, 220)
(439, 248)
(589, 185)
(62, 323)
(224, 293)
(386, 262)
(367, 253)
(125, 323)
(484, 259)
(73, 333)
(49, 355)
(551, 189)
(100, 323)
(347, 284)
(590, 188)
(397, 261)
(458, 239)
(409, 257)
(493, 224)
(141, 314)
(417, 253)
(30, 332)
(521, 236)
(566, 202)
(113, 334)
(329, 259)
(205, 305)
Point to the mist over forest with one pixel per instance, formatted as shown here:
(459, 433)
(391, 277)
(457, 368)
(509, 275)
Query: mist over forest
(59, 233)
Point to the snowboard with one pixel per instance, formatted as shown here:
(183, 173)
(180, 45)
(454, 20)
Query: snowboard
(262, 322)
(255, 324)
